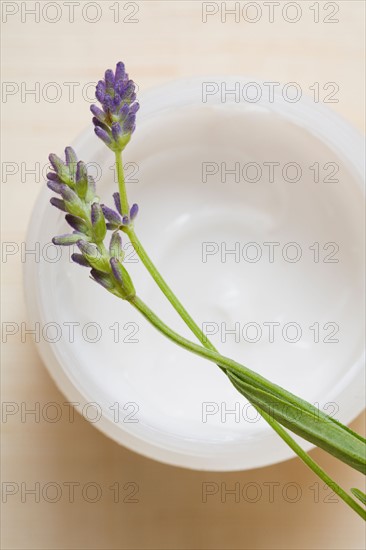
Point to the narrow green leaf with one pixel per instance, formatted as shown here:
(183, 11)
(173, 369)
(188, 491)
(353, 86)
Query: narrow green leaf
(360, 495)
(308, 422)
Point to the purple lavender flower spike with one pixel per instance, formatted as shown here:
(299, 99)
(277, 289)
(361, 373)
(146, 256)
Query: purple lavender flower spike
(116, 93)
(126, 220)
(117, 202)
(134, 211)
(79, 259)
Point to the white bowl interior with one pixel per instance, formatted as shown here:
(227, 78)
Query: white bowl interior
(161, 392)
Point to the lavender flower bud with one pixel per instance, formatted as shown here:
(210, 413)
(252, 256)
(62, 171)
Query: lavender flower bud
(57, 164)
(70, 156)
(105, 280)
(100, 91)
(129, 124)
(134, 211)
(124, 110)
(116, 131)
(109, 79)
(117, 202)
(91, 193)
(72, 202)
(100, 124)
(102, 134)
(81, 179)
(58, 203)
(121, 137)
(99, 114)
(112, 217)
(120, 71)
(53, 177)
(134, 108)
(123, 279)
(55, 186)
(61, 169)
(115, 247)
(66, 240)
(117, 270)
(77, 223)
(79, 259)
(81, 171)
(94, 257)
(98, 222)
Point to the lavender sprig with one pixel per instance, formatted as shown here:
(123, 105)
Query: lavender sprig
(85, 215)
(114, 124)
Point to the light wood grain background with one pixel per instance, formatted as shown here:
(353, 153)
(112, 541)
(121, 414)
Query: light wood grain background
(169, 40)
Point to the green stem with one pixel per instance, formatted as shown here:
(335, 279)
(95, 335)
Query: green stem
(229, 363)
(337, 438)
(208, 353)
(178, 306)
(121, 184)
(306, 458)
(300, 416)
(165, 288)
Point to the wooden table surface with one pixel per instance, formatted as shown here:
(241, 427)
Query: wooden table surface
(159, 41)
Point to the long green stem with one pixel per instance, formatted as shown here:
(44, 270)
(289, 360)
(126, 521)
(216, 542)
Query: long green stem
(306, 458)
(121, 185)
(301, 417)
(228, 363)
(178, 306)
(165, 288)
(334, 442)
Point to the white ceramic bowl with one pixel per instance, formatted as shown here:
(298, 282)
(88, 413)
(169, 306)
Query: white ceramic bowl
(151, 396)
